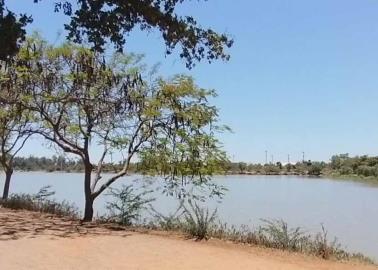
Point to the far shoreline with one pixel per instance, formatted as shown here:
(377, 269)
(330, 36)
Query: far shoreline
(335, 177)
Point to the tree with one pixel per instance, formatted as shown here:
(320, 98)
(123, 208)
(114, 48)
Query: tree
(12, 32)
(14, 124)
(315, 169)
(242, 167)
(81, 101)
(110, 20)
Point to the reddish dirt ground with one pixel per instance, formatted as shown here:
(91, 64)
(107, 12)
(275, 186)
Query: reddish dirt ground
(34, 241)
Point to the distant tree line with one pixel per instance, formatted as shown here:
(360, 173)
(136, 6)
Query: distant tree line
(61, 163)
(339, 165)
(300, 168)
(362, 166)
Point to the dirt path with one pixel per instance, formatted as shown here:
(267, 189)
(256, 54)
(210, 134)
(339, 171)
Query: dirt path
(30, 241)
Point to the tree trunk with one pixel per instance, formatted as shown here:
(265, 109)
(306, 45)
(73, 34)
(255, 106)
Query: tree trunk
(88, 211)
(8, 176)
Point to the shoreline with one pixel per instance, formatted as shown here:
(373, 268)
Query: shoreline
(32, 240)
(337, 177)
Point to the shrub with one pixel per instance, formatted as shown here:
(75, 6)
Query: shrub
(240, 235)
(168, 222)
(198, 221)
(346, 170)
(40, 202)
(126, 206)
(271, 169)
(315, 169)
(365, 170)
(325, 249)
(279, 235)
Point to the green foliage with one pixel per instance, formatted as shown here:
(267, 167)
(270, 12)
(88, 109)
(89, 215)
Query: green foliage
(64, 164)
(189, 217)
(40, 202)
(279, 235)
(362, 166)
(98, 22)
(126, 206)
(168, 222)
(12, 33)
(78, 98)
(196, 43)
(198, 221)
(15, 121)
(242, 167)
(315, 169)
(271, 169)
(345, 170)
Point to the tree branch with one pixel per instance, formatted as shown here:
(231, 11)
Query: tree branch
(99, 168)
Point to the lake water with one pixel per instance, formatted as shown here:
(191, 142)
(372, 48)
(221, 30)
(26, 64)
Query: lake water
(349, 210)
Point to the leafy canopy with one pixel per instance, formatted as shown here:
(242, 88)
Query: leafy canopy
(15, 122)
(83, 101)
(12, 32)
(98, 22)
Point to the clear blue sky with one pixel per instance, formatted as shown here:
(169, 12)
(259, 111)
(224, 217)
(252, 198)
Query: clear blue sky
(303, 74)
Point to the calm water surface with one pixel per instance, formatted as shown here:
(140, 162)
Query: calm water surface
(349, 210)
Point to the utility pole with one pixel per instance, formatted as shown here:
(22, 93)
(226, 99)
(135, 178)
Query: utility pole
(303, 157)
(288, 159)
(266, 157)
(272, 159)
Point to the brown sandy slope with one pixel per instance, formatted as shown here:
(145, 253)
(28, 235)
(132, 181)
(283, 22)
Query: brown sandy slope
(33, 241)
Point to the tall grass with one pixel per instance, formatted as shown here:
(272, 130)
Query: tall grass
(198, 222)
(127, 205)
(278, 235)
(41, 201)
(169, 222)
(195, 221)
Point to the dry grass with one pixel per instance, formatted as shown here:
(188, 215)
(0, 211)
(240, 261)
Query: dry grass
(40, 202)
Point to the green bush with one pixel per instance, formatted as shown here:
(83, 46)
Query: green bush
(126, 206)
(315, 169)
(366, 170)
(279, 235)
(346, 170)
(168, 222)
(40, 202)
(198, 221)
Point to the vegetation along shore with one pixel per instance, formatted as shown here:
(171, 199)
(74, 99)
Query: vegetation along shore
(190, 220)
(362, 168)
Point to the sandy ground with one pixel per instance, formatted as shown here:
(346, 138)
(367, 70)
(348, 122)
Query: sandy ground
(33, 241)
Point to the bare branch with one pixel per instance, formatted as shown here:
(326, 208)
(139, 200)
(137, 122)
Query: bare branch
(62, 145)
(21, 146)
(99, 167)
